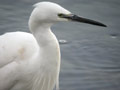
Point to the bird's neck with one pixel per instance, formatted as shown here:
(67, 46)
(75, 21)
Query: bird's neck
(48, 60)
(48, 43)
(49, 47)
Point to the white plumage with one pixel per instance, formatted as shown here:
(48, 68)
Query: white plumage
(32, 61)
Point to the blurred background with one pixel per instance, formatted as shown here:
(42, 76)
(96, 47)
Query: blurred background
(90, 54)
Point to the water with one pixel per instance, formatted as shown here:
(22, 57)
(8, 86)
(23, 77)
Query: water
(90, 54)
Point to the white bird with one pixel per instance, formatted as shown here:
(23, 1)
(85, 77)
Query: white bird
(32, 61)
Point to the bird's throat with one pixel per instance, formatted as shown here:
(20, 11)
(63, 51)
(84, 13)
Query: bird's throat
(49, 56)
(49, 48)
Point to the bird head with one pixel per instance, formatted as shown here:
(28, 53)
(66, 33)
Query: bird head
(49, 13)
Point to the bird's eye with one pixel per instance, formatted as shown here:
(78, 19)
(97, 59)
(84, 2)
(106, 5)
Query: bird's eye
(61, 15)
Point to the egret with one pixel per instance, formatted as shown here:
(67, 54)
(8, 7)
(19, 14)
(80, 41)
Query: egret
(32, 61)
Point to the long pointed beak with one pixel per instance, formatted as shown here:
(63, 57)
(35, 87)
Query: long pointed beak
(81, 19)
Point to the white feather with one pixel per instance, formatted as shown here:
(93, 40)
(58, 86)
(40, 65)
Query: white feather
(32, 61)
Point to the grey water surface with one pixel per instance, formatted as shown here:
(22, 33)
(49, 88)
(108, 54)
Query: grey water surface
(90, 54)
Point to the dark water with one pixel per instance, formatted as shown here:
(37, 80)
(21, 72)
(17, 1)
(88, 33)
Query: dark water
(91, 57)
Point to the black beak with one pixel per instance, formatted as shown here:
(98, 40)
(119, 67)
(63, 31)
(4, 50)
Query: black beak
(81, 19)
